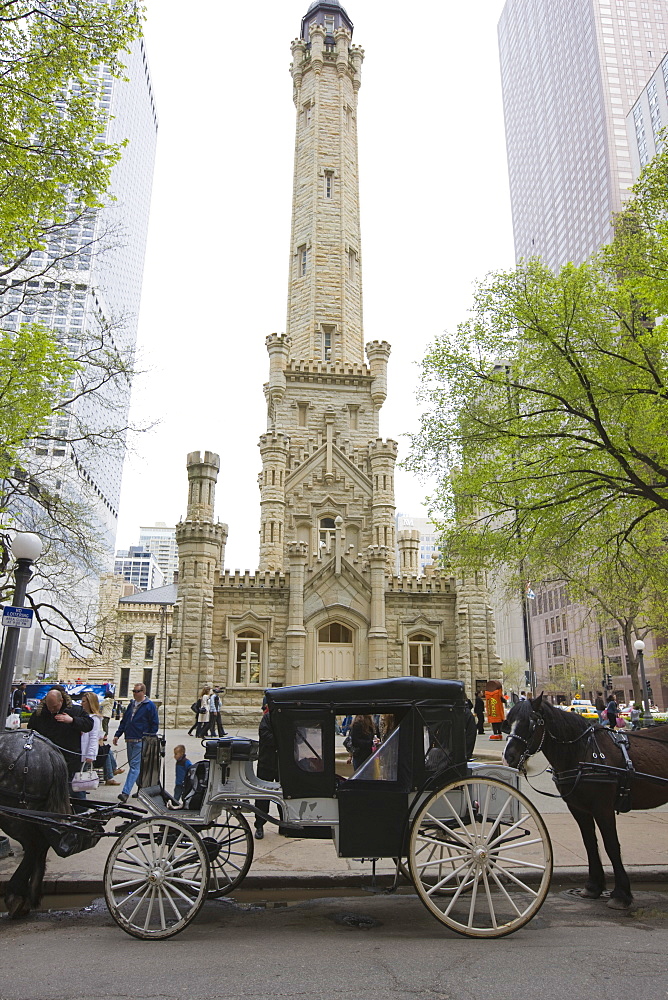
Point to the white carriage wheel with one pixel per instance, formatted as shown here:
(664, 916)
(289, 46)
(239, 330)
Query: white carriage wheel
(229, 845)
(156, 878)
(480, 857)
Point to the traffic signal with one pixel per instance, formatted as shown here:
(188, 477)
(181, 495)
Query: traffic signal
(608, 680)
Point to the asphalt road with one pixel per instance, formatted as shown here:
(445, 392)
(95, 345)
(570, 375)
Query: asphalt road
(316, 950)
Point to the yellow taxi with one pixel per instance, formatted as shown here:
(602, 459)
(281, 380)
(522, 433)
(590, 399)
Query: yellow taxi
(583, 708)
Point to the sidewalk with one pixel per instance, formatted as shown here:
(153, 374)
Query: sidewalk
(281, 862)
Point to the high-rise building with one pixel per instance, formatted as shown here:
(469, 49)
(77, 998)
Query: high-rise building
(647, 118)
(97, 288)
(570, 72)
(160, 539)
(139, 566)
(85, 283)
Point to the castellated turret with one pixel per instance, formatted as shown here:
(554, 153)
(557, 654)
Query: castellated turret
(382, 460)
(274, 449)
(408, 543)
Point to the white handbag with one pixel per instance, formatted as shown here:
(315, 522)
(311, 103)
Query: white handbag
(85, 781)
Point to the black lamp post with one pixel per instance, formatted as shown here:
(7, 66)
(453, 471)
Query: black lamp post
(26, 548)
(639, 647)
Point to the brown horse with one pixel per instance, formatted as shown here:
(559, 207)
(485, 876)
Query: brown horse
(33, 775)
(576, 750)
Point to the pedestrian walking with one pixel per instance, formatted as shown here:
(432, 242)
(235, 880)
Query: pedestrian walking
(19, 698)
(611, 712)
(203, 712)
(635, 716)
(106, 711)
(599, 705)
(139, 719)
(216, 727)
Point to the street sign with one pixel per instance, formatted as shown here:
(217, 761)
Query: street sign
(17, 617)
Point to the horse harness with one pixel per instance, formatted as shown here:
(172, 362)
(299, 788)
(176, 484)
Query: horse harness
(23, 757)
(568, 781)
(22, 795)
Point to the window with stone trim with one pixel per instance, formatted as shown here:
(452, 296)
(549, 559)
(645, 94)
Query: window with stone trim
(302, 260)
(421, 655)
(327, 530)
(329, 183)
(149, 648)
(127, 647)
(248, 658)
(335, 632)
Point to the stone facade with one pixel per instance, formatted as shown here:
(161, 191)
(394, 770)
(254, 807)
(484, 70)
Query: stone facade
(326, 602)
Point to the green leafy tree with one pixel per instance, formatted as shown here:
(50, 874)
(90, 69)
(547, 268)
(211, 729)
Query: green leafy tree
(54, 162)
(546, 415)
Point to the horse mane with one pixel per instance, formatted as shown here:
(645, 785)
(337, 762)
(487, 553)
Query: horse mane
(563, 725)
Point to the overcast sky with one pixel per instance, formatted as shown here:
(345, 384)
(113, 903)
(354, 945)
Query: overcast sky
(435, 218)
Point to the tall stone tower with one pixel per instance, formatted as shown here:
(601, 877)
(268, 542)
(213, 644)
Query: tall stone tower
(325, 603)
(321, 456)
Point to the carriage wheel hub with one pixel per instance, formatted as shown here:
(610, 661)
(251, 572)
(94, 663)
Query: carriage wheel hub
(480, 854)
(157, 876)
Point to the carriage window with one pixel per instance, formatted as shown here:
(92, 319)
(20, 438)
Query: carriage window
(382, 765)
(248, 661)
(335, 632)
(421, 655)
(308, 748)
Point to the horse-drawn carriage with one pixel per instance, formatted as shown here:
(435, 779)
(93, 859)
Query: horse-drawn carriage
(475, 848)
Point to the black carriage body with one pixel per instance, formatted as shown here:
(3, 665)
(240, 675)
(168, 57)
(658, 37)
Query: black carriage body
(373, 805)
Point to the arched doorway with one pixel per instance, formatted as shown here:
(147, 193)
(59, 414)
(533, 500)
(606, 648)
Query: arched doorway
(336, 653)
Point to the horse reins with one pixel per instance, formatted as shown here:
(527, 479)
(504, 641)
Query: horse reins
(537, 722)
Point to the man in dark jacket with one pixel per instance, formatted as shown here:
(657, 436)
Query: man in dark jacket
(62, 723)
(140, 719)
(267, 765)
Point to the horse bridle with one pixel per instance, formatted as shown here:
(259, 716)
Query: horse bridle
(536, 722)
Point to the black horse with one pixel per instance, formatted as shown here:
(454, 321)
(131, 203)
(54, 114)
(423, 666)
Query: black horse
(33, 775)
(593, 792)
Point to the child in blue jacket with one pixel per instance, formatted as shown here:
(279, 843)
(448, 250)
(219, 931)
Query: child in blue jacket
(182, 765)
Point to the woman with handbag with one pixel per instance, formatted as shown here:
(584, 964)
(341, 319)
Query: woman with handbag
(87, 780)
(203, 714)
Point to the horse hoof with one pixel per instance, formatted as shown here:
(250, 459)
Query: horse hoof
(590, 893)
(17, 907)
(618, 904)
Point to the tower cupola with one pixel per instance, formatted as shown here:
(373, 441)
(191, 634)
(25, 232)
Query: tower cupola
(330, 14)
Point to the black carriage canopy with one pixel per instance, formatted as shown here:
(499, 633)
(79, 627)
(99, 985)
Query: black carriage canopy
(428, 732)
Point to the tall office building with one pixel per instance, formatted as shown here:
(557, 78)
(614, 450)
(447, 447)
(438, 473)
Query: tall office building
(570, 72)
(86, 281)
(160, 539)
(97, 288)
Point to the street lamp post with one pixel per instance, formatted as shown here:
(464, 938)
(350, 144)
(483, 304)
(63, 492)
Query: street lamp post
(26, 548)
(639, 647)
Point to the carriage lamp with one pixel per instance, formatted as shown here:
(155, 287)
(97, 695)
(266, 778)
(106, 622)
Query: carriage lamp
(26, 549)
(639, 647)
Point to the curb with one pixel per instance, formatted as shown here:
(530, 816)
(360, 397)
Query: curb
(67, 886)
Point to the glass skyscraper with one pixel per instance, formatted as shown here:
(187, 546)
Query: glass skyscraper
(570, 72)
